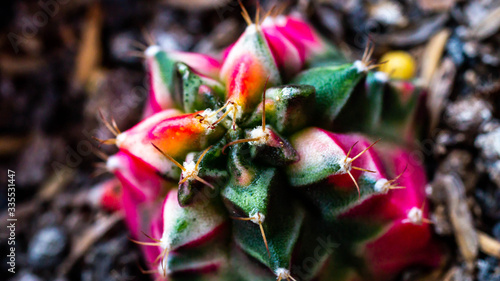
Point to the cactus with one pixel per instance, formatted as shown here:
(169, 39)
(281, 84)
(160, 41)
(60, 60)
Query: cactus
(263, 167)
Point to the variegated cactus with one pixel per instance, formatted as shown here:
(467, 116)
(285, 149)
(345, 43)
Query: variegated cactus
(235, 172)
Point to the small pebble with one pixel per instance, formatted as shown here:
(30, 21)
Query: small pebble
(467, 114)
(46, 247)
(471, 78)
(490, 126)
(27, 276)
(470, 49)
(457, 161)
(488, 269)
(460, 162)
(447, 138)
(489, 144)
(490, 59)
(389, 13)
(454, 47)
(461, 31)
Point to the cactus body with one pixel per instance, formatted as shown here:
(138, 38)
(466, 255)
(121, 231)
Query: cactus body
(231, 186)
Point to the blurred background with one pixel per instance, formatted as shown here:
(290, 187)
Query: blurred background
(63, 60)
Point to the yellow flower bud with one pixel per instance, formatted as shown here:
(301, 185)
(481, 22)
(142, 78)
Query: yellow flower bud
(398, 64)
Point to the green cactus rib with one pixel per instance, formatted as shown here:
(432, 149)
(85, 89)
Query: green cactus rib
(334, 86)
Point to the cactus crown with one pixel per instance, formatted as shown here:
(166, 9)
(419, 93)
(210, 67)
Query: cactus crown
(264, 182)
